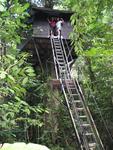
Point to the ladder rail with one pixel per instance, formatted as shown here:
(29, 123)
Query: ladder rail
(81, 130)
(54, 58)
(84, 139)
(66, 73)
(88, 120)
(84, 103)
(69, 54)
(71, 115)
(68, 67)
(90, 116)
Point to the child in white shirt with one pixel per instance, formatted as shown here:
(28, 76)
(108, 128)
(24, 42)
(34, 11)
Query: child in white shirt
(59, 24)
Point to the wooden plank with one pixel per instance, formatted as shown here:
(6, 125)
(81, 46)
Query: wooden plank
(55, 84)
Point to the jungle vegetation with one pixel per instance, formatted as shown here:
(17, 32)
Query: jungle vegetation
(26, 102)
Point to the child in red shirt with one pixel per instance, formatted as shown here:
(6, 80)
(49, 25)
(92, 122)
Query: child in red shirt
(52, 24)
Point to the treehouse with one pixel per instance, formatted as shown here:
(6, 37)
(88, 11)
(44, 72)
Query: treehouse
(54, 57)
(40, 22)
(39, 44)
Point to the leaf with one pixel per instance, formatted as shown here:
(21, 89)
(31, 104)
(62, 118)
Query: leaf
(27, 111)
(17, 98)
(3, 74)
(12, 91)
(25, 81)
(5, 14)
(11, 77)
(11, 57)
(31, 74)
(30, 70)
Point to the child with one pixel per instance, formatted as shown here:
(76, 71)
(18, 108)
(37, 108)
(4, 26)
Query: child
(59, 24)
(52, 24)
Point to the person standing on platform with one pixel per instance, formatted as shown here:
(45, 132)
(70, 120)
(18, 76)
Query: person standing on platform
(52, 24)
(59, 24)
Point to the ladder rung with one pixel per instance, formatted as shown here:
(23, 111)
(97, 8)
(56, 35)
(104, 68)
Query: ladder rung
(85, 125)
(60, 55)
(57, 44)
(58, 47)
(70, 82)
(74, 94)
(80, 109)
(56, 38)
(56, 41)
(58, 52)
(92, 145)
(60, 59)
(62, 63)
(77, 101)
(89, 134)
(71, 88)
(82, 117)
(62, 69)
(62, 72)
(61, 66)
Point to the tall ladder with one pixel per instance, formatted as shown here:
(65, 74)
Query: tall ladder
(84, 126)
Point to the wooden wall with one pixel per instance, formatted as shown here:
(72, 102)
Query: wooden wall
(41, 29)
(41, 26)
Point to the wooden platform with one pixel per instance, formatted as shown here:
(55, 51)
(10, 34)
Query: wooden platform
(55, 84)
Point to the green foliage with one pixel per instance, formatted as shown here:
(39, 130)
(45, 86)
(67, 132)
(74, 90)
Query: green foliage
(95, 71)
(92, 26)
(11, 21)
(46, 3)
(93, 42)
(102, 68)
(57, 123)
(22, 92)
(17, 78)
